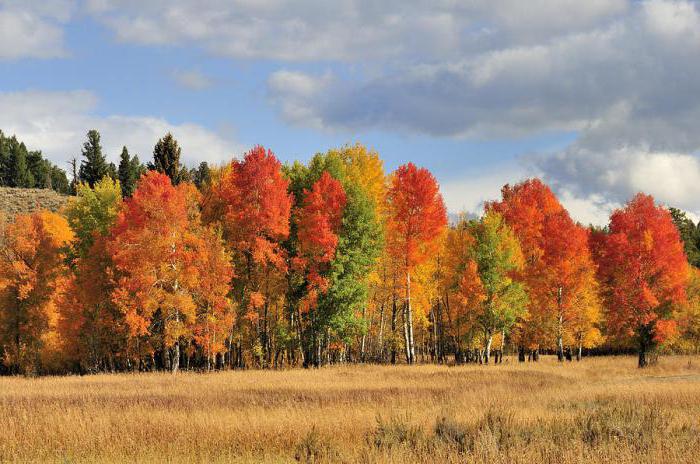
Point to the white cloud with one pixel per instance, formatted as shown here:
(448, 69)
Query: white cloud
(468, 192)
(56, 123)
(346, 30)
(192, 79)
(33, 29)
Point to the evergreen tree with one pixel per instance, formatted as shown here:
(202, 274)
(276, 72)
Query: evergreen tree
(130, 170)
(166, 158)
(94, 167)
(689, 234)
(202, 175)
(40, 169)
(4, 159)
(59, 181)
(19, 173)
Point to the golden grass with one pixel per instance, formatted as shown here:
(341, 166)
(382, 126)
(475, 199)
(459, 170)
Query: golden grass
(598, 410)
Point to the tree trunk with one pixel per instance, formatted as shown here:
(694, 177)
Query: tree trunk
(175, 365)
(381, 333)
(579, 351)
(406, 336)
(560, 327)
(487, 349)
(364, 337)
(642, 355)
(394, 310)
(411, 344)
(521, 354)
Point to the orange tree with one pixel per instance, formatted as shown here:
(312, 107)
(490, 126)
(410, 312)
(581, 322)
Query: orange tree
(644, 272)
(163, 258)
(32, 271)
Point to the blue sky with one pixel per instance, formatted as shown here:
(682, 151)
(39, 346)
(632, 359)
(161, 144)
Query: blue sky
(600, 98)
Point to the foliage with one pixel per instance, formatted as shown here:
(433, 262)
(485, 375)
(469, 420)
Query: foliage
(94, 166)
(32, 272)
(643, 270)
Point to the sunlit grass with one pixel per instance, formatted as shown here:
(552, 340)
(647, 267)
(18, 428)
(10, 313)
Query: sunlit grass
(598, 410)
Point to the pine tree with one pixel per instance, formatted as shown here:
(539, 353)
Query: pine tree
(19, 173)
(94, 167)
(166, 158)
(129, 172)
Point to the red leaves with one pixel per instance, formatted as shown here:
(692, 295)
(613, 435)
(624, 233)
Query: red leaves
(417, 214)
(643, 267)
(256, 205)
(319, 220)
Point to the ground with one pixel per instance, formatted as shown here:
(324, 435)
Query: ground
(14, 201)
(598, 410)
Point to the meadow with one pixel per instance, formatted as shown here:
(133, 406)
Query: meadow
(597, 410)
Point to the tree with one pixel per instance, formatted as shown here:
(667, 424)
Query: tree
(162, 256)
(251, 203)
(688, 315)
(129, 172)
(489, 280)
(557, 260)
(417, 216)
(19, 174)
(689, 233)
(202, 175)
(318, 223)
(92, 212)
(94, 166)
(31, 272)
(643, 269)
(166, 158)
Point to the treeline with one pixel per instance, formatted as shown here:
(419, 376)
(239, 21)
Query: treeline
(20, 167)
(259, 264)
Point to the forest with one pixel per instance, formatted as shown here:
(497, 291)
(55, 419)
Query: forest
(260, 264)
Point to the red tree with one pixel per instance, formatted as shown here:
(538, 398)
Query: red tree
(417, 218)
(252, 204)
(318, 221)
(643, 269)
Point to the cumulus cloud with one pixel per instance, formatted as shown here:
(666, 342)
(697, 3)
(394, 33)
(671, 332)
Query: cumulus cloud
(621, 74)
(346, 30)
(33, 29)
(56, 123)
(626, 83)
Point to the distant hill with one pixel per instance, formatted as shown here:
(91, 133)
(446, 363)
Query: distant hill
(15, 201)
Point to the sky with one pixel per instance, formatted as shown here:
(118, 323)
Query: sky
(599, 98)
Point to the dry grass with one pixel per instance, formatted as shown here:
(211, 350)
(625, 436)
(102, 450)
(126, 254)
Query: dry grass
(14, 201)
(599, 410)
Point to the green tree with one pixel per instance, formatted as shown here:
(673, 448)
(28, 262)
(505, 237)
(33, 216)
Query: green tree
(202, 175)
(338, 314)
(497, 255)
(94, 166)
(129, 172)
(166, 158)
(19, 174)
(93, 212)
(690, 234)
(59, 181)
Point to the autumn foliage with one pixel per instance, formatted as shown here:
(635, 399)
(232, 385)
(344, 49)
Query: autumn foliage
(644, 270)
(264, 264)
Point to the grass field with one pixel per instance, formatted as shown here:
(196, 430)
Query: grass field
(598, 410)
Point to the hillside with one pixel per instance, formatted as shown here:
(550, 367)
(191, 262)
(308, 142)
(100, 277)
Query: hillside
(14, 201)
